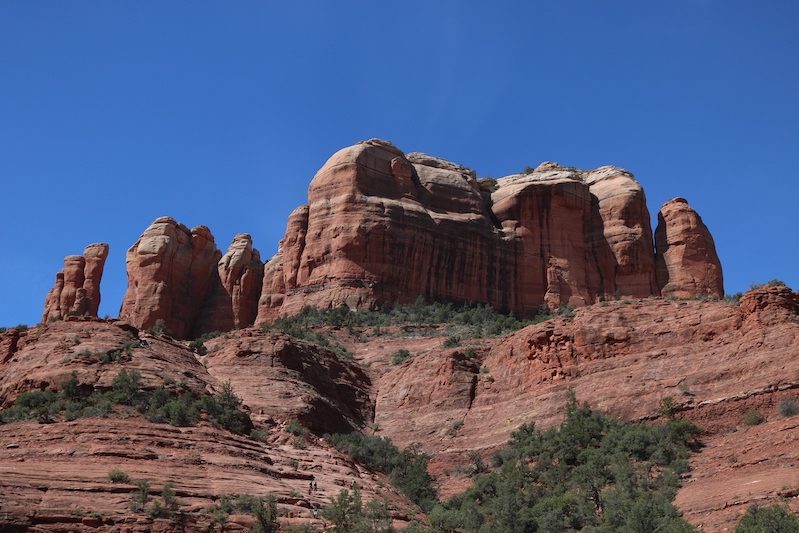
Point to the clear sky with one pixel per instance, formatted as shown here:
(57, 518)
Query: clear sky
(219, 113)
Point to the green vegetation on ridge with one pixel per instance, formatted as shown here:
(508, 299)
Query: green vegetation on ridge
(593, 473)
(477, 320)
(179, 408)
(406, 469)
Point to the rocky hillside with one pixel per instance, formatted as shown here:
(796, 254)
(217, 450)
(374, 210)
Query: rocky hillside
(58, 468)
(448, 389)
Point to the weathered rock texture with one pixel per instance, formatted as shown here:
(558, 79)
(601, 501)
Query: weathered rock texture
(716, 359)
(77, 285)
(170, 272)
(233, 303)
(179, 276)
(687, 264)
(383, 227)
(55, 476)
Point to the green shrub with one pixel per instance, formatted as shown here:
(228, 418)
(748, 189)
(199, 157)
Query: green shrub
(265, 513)
(118, 476)
(399, 356)
(197, 346)
(733, 298)
(769, 283)
(452, 341)
(753, 417)
(407, 469)
(159, 328)
(788, 407)
(259, 435)
(593, 472)
(474, 320)
(295, 428)
(668, 407)
(115, 354)
(488, 184)
(159, 405)
(264, 510)
(142, 493)
(773, 519)
(776, 283)
(299, 327)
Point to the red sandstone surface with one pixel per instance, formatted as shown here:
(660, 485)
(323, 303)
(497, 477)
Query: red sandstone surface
(381, 226)
(77, 285)
(716, 359)
(54, 477)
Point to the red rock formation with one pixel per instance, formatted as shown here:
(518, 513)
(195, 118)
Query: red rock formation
(687, 263)
(95, 256)
(77, 286)
(382, 227)
(55, 476)
(769, 305)
(179, 276)
(170, 273)
(622, 235)
(233, 302)
(715, 359)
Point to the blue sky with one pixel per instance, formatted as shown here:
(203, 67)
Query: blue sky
(219, 113)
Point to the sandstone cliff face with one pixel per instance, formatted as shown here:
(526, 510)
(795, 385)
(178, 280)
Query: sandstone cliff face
(236, 287)
(180, 277)
(77, 285)
(383, 227)
(622, 235)
(687, 264)
(169, 276)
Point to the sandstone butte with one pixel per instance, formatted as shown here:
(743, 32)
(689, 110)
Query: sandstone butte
(382, 227)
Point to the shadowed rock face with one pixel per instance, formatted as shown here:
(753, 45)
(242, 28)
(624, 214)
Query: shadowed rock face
(77, 285)
(382, 227)
(687, 264)
(233, 302)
